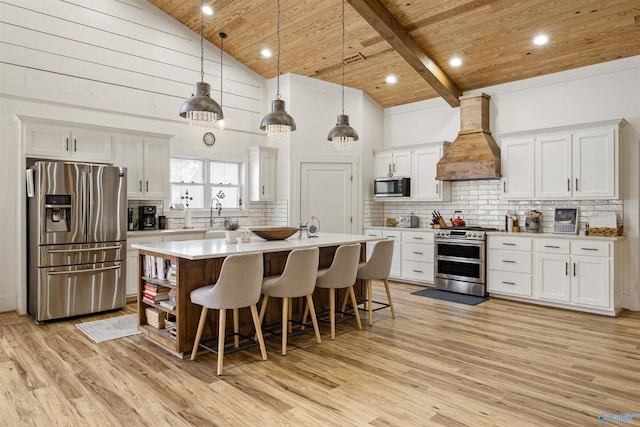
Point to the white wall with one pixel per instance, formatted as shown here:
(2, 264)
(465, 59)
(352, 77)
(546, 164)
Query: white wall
(590, 94)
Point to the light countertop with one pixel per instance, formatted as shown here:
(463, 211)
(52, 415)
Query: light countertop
(139, 233)
(214, 248)
(556, 236)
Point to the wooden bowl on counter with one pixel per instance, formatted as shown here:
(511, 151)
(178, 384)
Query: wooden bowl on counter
(273, 233)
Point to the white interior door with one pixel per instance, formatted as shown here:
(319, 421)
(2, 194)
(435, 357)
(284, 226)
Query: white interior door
(326, 192)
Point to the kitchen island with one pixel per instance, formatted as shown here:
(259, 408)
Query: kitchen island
(194, 263)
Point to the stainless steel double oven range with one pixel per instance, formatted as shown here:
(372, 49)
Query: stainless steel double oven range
(460, 260)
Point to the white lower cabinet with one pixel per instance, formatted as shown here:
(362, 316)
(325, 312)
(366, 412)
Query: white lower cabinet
(396, 263)
(509, 265)
(413, 251)
(574, 273)
(417, 256)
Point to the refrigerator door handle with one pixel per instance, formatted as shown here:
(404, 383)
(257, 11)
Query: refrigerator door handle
(58, 251)
(67, 272)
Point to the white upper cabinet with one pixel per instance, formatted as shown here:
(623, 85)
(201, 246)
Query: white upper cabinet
(553, 166)
(595, 163)
(49, 141)
(424, 185)
(263, 168)
(517, 167)
(573, 163)
(392, 163)
(147, 163)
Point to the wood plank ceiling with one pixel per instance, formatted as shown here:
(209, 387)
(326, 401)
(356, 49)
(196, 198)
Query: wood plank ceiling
(492, 37)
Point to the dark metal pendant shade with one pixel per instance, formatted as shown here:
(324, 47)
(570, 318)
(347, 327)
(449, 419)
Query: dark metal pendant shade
(278, 117)
(342, 129)
(201, 102)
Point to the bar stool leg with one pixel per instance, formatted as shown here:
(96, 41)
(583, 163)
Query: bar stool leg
(203, 319)
(236, 328)
(256, 324)
(263, 307)
(355, 310)
(285, 323)
(369, 301)
(222, 320)
(386, 288)
(304, 317)
(332, 311)
(313, 317)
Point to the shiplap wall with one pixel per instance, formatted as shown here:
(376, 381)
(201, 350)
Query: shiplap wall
(124, 56)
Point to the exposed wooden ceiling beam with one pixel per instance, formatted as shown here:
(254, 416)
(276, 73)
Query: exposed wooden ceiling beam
(379, 17)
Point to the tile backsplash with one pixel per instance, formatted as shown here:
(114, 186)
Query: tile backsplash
(481, 204)
(258, 213)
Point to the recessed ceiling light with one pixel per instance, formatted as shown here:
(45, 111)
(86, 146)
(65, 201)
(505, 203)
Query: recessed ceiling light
(266, 53)
(455, 62)
(540, 39)
(391, 79)
(207, 10)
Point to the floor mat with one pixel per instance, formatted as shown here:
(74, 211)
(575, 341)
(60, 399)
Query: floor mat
(450, 296)
(111, 328)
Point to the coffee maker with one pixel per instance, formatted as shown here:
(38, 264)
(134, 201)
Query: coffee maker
(131, 225)
(147, 217)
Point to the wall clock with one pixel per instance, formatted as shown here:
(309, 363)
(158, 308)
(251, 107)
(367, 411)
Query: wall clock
(209, 138)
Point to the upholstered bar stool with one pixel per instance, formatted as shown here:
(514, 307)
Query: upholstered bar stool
(340, 275)
(377, 267)
(237, 287)
(297, 280)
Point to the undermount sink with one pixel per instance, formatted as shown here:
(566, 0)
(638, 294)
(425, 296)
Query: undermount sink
(215, 233)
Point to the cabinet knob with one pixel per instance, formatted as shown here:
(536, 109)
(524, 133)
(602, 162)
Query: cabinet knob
(147, 186)
(75, 144)
(140, 185)
(67, 145)
(577, 185)
(508, 283)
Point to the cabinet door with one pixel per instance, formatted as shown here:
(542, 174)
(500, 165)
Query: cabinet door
(268, 173)
(552, 279)
(553, 167)
(396, 263)
(373, 233)
(517, 168)
(263, 169)
(424, 185)
(402, 163)
(156, 169)
(131, 155)
(46, 141)
(590, 282)
(595, 164)
(90, 145)
(132, 276)
(382, 164)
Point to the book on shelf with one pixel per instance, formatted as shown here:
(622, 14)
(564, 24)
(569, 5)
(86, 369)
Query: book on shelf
(155, 298)
(168, 305)
(156, 267)
(154, 289)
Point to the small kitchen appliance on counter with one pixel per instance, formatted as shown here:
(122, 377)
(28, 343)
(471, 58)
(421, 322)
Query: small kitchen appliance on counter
(147, 217)
(411, 221)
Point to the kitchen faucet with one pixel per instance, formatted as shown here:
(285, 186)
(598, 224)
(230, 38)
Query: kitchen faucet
(218, 208)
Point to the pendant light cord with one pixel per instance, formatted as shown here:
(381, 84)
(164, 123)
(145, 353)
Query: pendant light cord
(343, 57)
(278, 62)
(222, 37)
(201, 42)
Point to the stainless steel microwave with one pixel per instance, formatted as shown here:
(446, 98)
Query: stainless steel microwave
(392, 187)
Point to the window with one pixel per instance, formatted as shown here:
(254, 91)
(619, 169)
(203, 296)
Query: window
(198, 183)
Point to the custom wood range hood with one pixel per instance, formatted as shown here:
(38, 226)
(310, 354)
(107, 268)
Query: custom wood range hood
(474, 154)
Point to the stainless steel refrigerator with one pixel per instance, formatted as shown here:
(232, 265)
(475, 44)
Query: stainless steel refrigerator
(77, 231)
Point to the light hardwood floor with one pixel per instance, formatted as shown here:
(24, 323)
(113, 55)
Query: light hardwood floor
(499, 363)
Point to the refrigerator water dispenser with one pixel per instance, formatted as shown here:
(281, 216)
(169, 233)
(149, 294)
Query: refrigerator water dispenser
(58, 213)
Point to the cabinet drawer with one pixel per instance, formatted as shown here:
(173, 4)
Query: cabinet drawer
(373, 232)
(419, 271)
(417, 252)
(417, 236)
(517, 262)
(510, 243)
(509, 283)
(552, 246)
(590, 248)
(392, 234)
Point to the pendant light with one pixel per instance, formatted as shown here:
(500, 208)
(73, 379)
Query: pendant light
(201, 110)
(277, 123)
(342, 135)
(222, 121)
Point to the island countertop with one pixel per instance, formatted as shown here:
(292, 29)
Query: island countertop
(215, 248)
